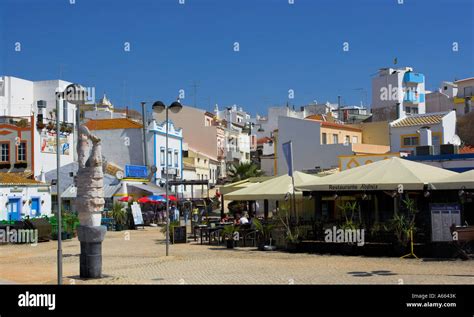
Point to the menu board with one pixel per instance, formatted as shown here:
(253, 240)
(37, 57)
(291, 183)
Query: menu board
(179, 234)
(137, 214)
(443, 216)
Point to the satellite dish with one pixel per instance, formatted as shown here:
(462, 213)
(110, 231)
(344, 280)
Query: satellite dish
(456, 140)
(119, 174)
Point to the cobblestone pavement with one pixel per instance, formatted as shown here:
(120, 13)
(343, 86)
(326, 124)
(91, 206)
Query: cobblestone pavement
(138, 257)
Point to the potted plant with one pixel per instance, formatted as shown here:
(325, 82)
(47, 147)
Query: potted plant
(173, 224)
(119, 215)
(50, 126)
(71, 223)
(40, 125)
(292, 231)
(228, 235)
(5, 166)
(402, 224)
(265, 234)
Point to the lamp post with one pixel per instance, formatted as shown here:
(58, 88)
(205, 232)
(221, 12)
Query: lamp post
(76, 95)
(58, 194)
(175, 107)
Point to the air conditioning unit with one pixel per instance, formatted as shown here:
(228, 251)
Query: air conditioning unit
(449, 149)
(424, 150)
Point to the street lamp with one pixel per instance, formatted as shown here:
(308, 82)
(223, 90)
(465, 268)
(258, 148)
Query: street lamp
(75, 94)
(159, 107)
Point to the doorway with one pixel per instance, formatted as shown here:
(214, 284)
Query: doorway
(14, 209)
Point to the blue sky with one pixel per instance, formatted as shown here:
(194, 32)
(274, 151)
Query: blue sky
(282, 47)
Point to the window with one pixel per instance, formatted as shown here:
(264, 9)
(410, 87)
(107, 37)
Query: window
(407, 109)
(324, 138)
(445, 87)
(410, 141)
(414, 110)
(355, 139)
(170, 158)
(176, 158)
(347, 139)
(162, 156)
(21, 152)
(65, 114)
(335, 139)
(5, 152)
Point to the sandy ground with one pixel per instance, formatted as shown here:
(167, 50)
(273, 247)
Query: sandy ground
(138, 257)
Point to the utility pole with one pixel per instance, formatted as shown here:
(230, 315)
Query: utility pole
(145, 152)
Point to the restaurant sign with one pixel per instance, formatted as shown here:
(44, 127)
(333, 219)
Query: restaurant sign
(136, 171)
(350, 161)
(354, 187)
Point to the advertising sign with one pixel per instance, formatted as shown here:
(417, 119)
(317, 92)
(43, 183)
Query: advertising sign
(48, 143)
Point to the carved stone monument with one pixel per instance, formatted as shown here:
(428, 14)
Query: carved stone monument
(90, 203)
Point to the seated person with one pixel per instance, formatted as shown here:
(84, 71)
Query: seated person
(244, 220)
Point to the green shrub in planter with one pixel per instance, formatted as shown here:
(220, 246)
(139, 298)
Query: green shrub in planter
(119, 215)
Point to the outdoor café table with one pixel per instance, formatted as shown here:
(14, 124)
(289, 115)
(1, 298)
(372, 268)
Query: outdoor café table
(199, 227)
(208, 231)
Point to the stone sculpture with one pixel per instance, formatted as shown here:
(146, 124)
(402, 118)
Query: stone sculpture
(90, 180)
(90, 203)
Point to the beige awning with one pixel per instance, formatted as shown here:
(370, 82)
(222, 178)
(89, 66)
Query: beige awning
(273, 189)
(387, 174)
(232, 187)
(459, 181)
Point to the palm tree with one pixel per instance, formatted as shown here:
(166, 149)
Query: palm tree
(241, 171)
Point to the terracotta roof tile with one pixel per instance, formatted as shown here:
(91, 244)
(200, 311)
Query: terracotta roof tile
(333, 125)
(17, 179)
(467, 149)
(421, 119)
(112, 124)
(264, 140)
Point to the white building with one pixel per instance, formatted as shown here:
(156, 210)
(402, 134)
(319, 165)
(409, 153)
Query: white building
(21, 197)
(156, 138)
(430, 129)
(103, 109)
(20, 97)
(397, 93)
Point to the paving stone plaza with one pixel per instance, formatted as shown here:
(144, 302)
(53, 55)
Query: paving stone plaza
(138, 257)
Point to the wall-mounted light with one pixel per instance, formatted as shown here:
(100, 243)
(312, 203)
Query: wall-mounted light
(365, 196)
(335, 196)
(426, 193)
(462, 191)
